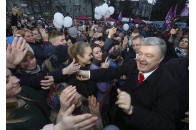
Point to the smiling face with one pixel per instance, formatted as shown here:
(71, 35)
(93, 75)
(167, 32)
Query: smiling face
(36, 34)
(86, 57)
(97, 53)
(184, 43)
(12, 84)
(148, 58)
(29, 37)
(29, 62)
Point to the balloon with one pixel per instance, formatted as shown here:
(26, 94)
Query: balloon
(105, 5)
(57, 25)
(97, 16)
(111, 23)
(125, 26)
(67, 21)
(104, 9)
(111, 10)
(58, 18)
(107, 15)
(98, 10)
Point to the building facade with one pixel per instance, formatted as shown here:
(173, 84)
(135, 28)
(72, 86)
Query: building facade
(138, 8)
(49, 7)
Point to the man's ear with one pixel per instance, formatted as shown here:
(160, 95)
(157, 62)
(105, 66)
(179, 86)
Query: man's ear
(161, 59)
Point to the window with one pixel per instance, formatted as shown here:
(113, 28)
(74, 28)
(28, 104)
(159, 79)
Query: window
(76, 2)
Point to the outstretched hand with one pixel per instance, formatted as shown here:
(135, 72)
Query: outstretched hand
(72, 68)
(47, 82)
(124, 101)
(16, 51)
(70, 122)
(66, 97)
(93, 105)
(83, 75)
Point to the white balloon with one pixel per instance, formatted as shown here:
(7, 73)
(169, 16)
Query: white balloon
(58, 18)
(98, 10)
(111, 23)
(97, 16)
(57, 25)
(104, 9)
(111, 10)
(125, 26)
(105, 5)
(67, 21)
(107, 15)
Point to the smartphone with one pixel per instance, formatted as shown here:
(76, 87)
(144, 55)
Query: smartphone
(9, 39)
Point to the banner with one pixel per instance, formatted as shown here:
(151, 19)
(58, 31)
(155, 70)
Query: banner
(185, 11)
(120, 17)
(169, 20)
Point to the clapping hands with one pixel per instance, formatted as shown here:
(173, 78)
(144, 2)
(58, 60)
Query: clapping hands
(93, 105)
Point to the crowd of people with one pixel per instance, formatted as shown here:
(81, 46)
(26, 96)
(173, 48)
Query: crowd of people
(95, 76)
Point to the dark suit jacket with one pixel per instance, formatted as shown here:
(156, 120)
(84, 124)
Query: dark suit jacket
(155, 101)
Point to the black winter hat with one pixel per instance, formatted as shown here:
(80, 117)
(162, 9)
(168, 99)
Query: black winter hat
(62, 53)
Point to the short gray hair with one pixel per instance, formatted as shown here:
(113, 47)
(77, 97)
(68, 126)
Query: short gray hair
(155, 41)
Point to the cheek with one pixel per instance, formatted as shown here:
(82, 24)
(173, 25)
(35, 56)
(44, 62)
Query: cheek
(24, 65)
(9, 90)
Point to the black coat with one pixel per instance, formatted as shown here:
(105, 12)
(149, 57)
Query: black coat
(155, 101)
(86, 88)
(178, 67)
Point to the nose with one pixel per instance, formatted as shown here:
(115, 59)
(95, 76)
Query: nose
(141, 57)
(31, 61)
(65, 42)
(15, 80)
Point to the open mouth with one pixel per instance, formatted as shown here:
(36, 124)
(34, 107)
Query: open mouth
(142, 64)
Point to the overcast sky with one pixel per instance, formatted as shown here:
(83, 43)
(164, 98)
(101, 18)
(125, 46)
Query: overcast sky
(150, 1)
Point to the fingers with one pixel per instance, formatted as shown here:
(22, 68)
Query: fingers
(87, 127)
(48, 80)
(124, 100)
(26, 49)
(106, 60)
(119, 91)
(81, 78)
(23, 45)
(14, 41)
(69, 110)
(67, 96)
(73, 60)
(19, 42)
(45, 88)
(9, 49)
(85, 121)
